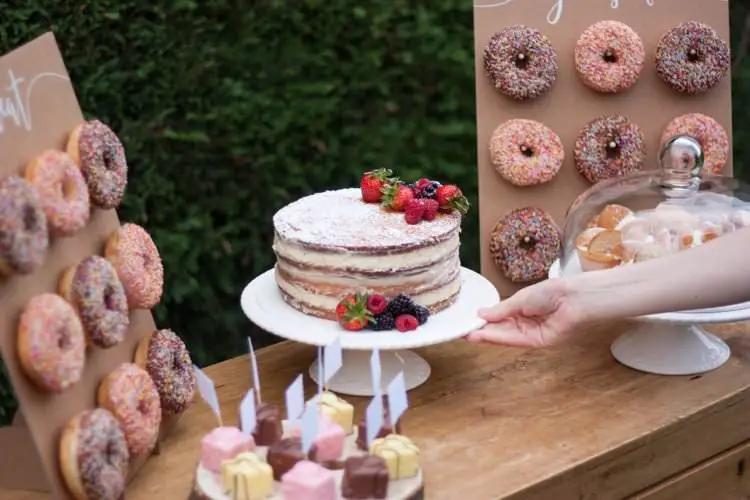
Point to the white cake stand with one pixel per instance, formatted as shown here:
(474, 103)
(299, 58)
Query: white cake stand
(263, 304)
(671, 343)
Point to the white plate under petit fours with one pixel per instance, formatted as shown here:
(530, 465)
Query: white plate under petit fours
(208, 484)
(262, 303)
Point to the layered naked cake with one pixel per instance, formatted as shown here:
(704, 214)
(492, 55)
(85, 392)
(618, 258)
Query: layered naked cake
(331, 244)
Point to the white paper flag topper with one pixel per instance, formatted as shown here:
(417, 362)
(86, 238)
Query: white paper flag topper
(207, 390)
(295, 399)
(397, 400)
(332, 359)
(375, 371)
(248, 413)
(309, 427)
(374, 419)
(254, 365)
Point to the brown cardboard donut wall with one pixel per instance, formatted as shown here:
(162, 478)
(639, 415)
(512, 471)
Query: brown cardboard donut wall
(569, 105)
(38, 110)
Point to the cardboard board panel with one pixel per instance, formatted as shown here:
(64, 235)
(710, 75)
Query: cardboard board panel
(570, 105)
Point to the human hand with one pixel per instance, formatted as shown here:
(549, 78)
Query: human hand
(541, 315)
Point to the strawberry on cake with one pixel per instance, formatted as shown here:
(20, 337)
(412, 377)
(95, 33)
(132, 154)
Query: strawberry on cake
(386, 238)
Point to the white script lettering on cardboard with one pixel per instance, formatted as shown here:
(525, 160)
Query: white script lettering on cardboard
(15, 100)
(555, 12)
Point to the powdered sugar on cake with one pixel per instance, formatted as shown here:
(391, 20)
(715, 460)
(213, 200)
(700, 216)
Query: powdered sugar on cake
(340, 221)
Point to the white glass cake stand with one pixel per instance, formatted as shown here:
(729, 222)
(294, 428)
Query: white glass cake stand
(264, 306)
(671, 343)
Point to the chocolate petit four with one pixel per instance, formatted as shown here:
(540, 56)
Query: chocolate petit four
(283, 455)
(268, 429)
(307, 481)
(365, 477)
(246, 477)
(386, 428)
(401, 455)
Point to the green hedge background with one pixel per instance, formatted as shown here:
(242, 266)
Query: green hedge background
(229, 109)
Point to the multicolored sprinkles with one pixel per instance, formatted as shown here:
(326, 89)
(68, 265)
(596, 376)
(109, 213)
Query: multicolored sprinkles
(103, 164)
(609, 146)
(526, 152)
(609, 56)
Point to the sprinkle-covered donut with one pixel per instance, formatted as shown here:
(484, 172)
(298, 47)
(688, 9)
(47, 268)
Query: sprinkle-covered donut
(526, 152)
(525, 244)
(692, 58)
(609, 146)
(94, 456)
(710, 135)
(101, 156)
(609, 56)
(24, 237)
(521, 62)
(51, 344)
(130, 394)
(136, 259)
(164, 356)
(97, 294)
(62, 189)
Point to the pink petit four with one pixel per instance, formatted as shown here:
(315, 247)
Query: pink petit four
(329, 441)
(308, 481)
(223, 443)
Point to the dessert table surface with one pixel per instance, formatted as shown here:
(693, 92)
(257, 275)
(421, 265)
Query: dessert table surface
(495, 422)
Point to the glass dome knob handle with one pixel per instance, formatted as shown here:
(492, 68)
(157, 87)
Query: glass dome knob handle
(681, 160)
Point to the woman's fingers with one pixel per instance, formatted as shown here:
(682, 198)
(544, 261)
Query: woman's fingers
(498, 312)
(504, 333)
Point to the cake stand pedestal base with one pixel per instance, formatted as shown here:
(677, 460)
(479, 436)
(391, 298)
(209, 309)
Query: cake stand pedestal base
(670, 349)
(353, 379)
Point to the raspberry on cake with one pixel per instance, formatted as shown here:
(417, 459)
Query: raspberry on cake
(332, 243)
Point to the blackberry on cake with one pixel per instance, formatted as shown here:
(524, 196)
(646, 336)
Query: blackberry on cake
(401, 304)
(329, 244)
(383, 322)
(421, 313)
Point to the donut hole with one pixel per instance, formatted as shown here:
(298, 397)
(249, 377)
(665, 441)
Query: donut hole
(109, 298)
(693, 55)
(610, 56)
(526, 150)
(142, 407)
(30, 218)
(612, 149)
(67, 189)
(110, 453)
(63, 339)
(176, 364)
(527, 242)
(521, 60)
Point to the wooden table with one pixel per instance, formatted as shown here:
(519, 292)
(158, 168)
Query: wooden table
(558, 424)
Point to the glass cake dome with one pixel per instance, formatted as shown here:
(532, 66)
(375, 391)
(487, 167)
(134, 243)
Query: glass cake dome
(651, 214)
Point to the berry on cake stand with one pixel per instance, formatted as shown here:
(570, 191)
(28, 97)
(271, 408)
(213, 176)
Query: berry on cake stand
(377, 267)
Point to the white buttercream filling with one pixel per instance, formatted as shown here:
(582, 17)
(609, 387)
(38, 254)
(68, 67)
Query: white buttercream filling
(367, 262)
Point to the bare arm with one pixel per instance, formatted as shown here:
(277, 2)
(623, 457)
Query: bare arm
(710, 275)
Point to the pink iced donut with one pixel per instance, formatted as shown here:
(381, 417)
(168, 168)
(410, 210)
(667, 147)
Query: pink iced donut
(130, 394)
(708, 132)
(526, 152)
(609, 56)
(24, 237)
(63, 193)
(134, 255)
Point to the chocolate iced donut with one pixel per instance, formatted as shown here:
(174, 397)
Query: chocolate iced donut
(526, 152)
(24, 237)
(521, 62)
(609, 146)
(692, 58)
(609, 56)
(525, 243)
(710, 135)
